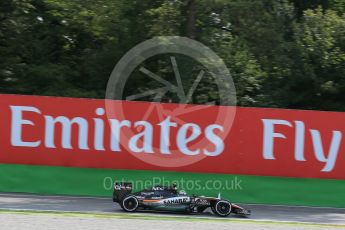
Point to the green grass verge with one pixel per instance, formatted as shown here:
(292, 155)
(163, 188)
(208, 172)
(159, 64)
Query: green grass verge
(98, 182)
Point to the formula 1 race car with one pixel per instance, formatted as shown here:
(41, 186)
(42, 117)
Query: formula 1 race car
(168, 198)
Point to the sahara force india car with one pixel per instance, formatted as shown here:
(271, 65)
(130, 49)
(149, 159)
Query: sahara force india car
(169, 199)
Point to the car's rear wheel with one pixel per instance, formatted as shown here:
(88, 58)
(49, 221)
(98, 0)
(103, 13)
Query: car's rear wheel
(222, 208)
(130, 204)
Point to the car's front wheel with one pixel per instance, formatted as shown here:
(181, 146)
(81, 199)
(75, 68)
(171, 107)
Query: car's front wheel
(222, 208)
(130, 204)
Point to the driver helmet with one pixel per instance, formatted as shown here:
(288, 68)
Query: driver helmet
(174, 186)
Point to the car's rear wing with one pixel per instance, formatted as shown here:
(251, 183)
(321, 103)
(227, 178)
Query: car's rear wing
(121, 189)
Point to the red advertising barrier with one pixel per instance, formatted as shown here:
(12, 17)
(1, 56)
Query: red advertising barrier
(150, 136)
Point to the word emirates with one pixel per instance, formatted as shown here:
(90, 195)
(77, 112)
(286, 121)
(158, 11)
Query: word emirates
(139, 142)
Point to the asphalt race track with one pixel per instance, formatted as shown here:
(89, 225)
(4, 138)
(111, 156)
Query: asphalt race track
(104, 205)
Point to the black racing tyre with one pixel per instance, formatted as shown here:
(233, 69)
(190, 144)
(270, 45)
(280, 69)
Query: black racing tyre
(222, 208)
(129, 203)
